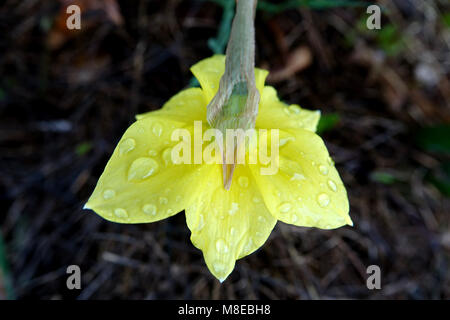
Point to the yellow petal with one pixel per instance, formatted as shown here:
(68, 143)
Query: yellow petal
(274, 114)
(140, 183)
(186, 106)
(227, 225)
(307, 190)
(209, 71)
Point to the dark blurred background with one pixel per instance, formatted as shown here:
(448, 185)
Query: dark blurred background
(66, 97)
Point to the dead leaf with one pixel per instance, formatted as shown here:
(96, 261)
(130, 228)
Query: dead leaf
(297, 60)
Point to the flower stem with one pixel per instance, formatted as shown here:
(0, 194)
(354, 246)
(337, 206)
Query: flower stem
(235, 106)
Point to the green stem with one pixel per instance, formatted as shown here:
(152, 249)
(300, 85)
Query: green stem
(235, 104)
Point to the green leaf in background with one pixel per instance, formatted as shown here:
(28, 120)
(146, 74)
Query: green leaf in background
(219, 43)
(435, 139)
(390, 40)
(327, 122)
(446, 19)
(383, 177)
(83, 148)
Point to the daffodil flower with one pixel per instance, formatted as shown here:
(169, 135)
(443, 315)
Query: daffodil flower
(141, 184)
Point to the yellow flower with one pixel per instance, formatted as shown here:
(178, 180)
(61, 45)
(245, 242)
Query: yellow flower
(141, 184)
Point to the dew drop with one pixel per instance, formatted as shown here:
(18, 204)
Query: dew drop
(142, 168)
(167, 156)
(108, 194)
(221, 246)
(219, 267)
(248, 246)
(169, 211)
(256, 200)
(126, 146)
(157, 129)
(163, 200)
(121, 213)
(243, 181)
(152, 153)
(178, 198)
(323, 199)
(284, 141)
(294, 218)
(285, 207)
(294, 109)
(332, 185)
(233, 232)
(262, 220)
(234, 208)
(149, 209)
(201, 222)
(323, 170)
(298, 177)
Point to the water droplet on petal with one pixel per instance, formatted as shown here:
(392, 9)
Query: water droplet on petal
(219, 267)
(262, 220)
(167, 156)
(285, 207)
(234, 208)
(157, 129)
(178, 198)
(243, 181)
(121, 213)
(323, 199)
(169, 211)
(201, 223)
(298, 177)
(221, 246)
(294, 218)
(152, 153)
(294, 109)
(323, 170)
(258, 234)
(233, 232)
(149, 209)
(163, 200)
(256, 200)
(108, 194)
(142, 168)
(126, 146)
(283, 141)
(248, 246)
(332, 185)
